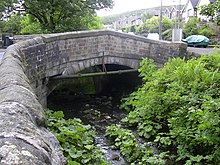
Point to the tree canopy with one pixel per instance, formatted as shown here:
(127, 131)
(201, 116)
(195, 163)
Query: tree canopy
(57, 15)
(212, 10)
(6, 7)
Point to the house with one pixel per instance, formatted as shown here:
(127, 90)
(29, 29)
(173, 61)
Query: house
(173, 12)
(167, 12)
(127, 21)
(191, 9)
(136, 21)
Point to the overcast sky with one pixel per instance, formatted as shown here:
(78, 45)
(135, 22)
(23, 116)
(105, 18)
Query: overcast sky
(129, 5)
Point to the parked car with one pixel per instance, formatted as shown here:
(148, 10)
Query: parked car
(197, 41)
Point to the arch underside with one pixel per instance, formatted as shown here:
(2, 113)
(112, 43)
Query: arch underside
(75, 67)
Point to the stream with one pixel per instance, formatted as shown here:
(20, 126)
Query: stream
(78, 98)
(99, 111)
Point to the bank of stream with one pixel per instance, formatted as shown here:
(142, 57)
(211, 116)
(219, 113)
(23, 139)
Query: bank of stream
(97, 110)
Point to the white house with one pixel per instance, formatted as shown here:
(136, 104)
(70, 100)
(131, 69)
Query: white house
(191, 9)
(127, 21)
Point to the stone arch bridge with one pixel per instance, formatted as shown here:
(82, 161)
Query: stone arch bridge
(26, 71)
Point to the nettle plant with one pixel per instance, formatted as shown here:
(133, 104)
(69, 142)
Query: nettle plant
(76, 139)
(178, 107)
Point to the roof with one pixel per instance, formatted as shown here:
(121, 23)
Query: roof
(211, 1)
(194, 3)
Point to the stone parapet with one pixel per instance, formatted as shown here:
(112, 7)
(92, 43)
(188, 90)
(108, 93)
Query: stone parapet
(24, 137)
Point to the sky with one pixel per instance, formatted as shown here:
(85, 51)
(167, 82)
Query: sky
(129, 5)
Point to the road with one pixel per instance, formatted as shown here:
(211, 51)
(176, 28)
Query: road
(201, 50)
(1, 55)
(2, 51)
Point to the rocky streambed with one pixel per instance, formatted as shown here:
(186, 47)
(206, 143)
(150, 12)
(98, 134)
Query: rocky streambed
(97, 110)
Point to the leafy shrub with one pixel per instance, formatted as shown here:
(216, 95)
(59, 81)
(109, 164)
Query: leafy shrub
(179, 108)
(167, 35)
(76, 139)
(31, 26)
(152, 25)
(12, 25)
(142, 29)
(206, 31)
(95, 23)
(190, 28)
(129, 147)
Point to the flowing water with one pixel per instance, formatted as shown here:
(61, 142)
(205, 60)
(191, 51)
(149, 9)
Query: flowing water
(100, 110)
(96, 110)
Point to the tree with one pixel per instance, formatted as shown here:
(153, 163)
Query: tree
(212, 10)
(29, 25)
(12, 25)
(152, 24)
(7, 8)
(190, 27)
(64, 15)
(95, 24)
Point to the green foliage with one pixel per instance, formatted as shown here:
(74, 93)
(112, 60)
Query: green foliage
(95, 24)
(131, 28)
(179, 108)
(6, 8)
(153, 24)
(142, 29)
(65, 15)
(129, 147)
(167, 35)
(146, 16)
(211, 10)
(12, 25)
(190, 28)
(76, 139)
(206, 31)
(29, 25)
(148, 13)
(194, 27)
(18, 24)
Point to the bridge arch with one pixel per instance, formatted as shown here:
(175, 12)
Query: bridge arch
(93, 69)
(28, 66)
(68, 53)
(77, 66)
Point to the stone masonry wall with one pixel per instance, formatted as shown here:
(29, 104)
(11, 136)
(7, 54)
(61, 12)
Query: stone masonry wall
(69, 53)
(79, 50)
(25, 74)
(24, 137)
